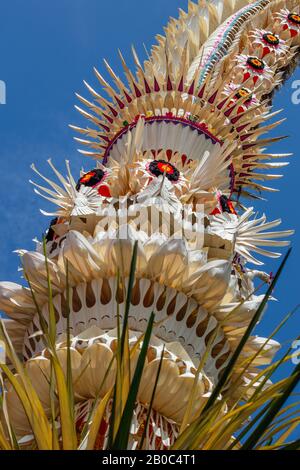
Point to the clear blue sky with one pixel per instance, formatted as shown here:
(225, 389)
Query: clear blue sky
(46, 50)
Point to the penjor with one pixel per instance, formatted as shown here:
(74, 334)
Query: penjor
(187, 129)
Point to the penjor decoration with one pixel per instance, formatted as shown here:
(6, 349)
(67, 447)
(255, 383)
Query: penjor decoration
(183, 135)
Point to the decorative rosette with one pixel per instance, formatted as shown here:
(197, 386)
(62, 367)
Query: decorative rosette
(268, 45)
(95, 179)
(237, 93)
(254, 68)
(289, 21)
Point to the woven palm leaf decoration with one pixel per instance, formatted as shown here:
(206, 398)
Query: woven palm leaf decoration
(188, 128)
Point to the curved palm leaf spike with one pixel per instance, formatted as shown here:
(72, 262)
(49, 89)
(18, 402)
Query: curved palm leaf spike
(191, 30)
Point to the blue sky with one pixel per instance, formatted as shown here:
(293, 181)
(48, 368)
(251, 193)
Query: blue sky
(46, 50)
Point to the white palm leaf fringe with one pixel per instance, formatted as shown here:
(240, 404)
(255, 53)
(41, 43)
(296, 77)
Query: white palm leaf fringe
(212, 172)
(250, 235)
(63, 196)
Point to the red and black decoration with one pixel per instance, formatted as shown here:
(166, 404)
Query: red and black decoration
(225, 205)
(50, 235)
(256, 64)
(94, 179)
(244, 93)
(294, 18)
(91, 179)
(161, 167)
(271, 39)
